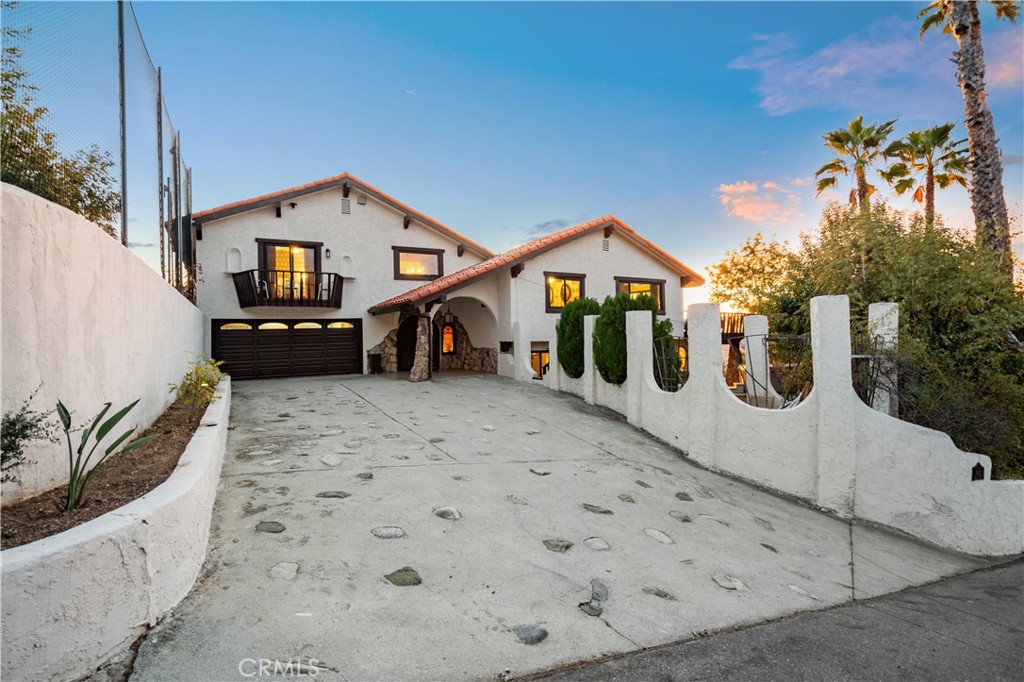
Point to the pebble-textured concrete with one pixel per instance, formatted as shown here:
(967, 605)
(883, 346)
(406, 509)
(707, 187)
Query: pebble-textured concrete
(478, 472)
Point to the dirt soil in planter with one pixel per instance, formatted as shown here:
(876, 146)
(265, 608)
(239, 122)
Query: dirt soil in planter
(125, 479)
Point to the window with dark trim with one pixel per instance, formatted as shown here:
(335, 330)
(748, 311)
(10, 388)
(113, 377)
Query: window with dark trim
(287, 269)
(561, 288)
(412, 262)
(635, 287)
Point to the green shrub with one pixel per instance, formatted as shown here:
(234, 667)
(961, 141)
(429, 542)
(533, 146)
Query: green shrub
(610, 333)
(80, 475)
(18, 428)
(569, 334)
(198, 388)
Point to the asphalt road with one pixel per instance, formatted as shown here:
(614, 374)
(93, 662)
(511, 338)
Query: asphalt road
(969, 627)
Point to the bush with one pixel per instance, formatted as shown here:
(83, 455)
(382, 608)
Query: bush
(198, 388)
(18, 428)
(960, 360)
(610, 333)
(569, 334)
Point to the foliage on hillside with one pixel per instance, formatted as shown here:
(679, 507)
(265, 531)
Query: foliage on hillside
(961, 359)
(29, 153)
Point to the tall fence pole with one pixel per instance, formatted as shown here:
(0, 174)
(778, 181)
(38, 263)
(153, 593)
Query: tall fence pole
(160, 166)
(124, 124)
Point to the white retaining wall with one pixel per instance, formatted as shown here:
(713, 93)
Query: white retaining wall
(87, 319)
(832, 450)
(74, 600)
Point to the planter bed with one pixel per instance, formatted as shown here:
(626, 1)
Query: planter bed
(73, 600)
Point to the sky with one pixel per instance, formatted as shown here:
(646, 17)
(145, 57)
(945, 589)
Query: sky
(696, 123)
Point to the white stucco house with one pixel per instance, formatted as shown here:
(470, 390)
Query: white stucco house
(335, 276)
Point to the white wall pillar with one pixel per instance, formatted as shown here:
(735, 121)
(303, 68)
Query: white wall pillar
(760, 391)
(639, 360)
(704, 335)
(883, 328)
(589, 370)
(833, 389)
(553, 379)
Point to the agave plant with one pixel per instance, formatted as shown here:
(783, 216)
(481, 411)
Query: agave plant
(78, 460)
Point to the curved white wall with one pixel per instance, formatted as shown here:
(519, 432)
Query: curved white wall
(73, 600)
(87, 319)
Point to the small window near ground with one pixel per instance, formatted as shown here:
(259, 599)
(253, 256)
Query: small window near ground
(418, 263)
(540, 360)
(635, 288)
(562, 288)
(273, 325)
(235, 326)
(340, 325)
(308, 325)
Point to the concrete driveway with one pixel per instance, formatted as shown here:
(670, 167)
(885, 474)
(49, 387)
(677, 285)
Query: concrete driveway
(540, 530)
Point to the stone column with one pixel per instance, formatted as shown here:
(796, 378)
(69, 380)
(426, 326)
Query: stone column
(883, 329)
(704, 332)
(639, 360)
(833, 389)
(421, 363)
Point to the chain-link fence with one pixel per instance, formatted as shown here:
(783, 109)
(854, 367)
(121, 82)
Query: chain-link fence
(85, 125)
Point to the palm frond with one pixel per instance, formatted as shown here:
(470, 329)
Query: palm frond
(825, 183)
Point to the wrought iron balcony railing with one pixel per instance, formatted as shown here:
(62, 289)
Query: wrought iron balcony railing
(288, 288)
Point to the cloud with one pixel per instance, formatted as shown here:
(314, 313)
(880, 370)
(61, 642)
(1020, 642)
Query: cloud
(1013, 159)
(140, 245)
(411, 93)
(1004, 57)
(887, 63)
(766, 203)
(547, 227)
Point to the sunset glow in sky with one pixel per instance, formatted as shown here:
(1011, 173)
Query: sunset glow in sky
(696, 123)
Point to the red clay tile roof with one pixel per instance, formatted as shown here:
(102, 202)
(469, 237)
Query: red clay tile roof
(355, 183)
(461, 278)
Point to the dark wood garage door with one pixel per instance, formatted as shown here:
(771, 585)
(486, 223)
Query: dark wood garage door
(259, 349)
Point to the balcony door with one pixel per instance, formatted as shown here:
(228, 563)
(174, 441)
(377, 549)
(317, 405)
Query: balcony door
(289, 268)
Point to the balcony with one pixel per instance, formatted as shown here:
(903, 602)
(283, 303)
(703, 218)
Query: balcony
(288, 288)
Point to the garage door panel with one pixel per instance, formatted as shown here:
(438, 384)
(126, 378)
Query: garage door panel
(275, 352)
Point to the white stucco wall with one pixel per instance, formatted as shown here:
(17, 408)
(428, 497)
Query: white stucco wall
(583, 255)
(360, 244)
(831, 450)
(73, 600)
(88, 320)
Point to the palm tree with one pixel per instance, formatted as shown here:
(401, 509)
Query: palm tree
(928, 150)
(862, 145)
(988, 203)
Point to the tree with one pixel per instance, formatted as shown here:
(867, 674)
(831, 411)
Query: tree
(961, 368)
(610, 333)
(859, 147)
(925, 151)
(961, 19)
(29, 157)
(752, 276)
(569, 334)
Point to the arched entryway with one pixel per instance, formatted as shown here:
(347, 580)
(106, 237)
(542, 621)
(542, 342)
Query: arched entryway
(465, 336)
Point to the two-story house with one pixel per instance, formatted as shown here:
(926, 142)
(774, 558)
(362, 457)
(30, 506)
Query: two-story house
(338, 277)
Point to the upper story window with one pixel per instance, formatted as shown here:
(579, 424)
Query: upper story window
(634, 287)
(284, 256)
(412, 262)
(562, 288)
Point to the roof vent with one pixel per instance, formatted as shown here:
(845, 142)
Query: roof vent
(361, 200)
(346, 206)
(604, 245)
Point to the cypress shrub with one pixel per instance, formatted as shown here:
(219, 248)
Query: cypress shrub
(569, 334)
(610, 333)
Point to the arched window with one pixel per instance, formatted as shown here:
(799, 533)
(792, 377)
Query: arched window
(448, 339)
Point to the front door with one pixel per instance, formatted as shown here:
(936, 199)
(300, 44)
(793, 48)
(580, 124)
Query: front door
(406, 350)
